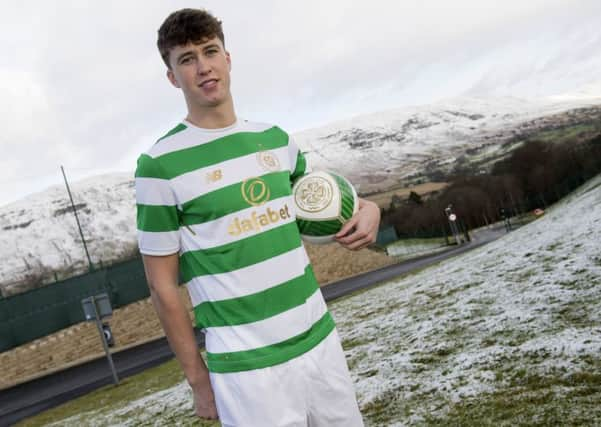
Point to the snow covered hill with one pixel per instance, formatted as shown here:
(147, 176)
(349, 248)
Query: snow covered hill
(39, 234)
(378, 151)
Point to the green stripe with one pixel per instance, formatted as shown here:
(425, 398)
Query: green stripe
(319, 228)
(227, 200)
(346, 192)
(241, 253)
(149, 168)
(300, 168)
(272, 354)
(180, 127)
(157, 218)
(258, 306)
(220, 150)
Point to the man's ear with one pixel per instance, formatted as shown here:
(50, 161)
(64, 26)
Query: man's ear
(228, 58)
(172, 79)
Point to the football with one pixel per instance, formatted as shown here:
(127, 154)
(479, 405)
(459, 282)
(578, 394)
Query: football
(324, 202)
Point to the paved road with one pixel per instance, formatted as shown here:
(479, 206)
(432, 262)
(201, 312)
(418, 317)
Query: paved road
(27, 399)
(365, 280)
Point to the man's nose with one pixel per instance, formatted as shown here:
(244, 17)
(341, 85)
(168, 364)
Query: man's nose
(202, 67)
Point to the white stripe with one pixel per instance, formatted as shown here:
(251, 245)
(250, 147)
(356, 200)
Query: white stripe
(217, 232)
(154, 192)
(246, 126)
(293, 154)
(158, 242)
(248, 280)
(269, 331)
(193, 136)
(199, 182)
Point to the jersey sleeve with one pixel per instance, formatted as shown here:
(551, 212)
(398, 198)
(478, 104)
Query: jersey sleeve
(298, 162)
(156, 206)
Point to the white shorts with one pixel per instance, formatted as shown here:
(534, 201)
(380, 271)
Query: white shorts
(314, 389)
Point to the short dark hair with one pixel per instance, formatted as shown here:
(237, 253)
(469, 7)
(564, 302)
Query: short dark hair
(187, 25)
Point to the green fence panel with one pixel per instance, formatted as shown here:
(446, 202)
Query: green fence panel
(42, 311)
(45, 310)
(386, 235)
(73, 290)
(127, 282)
(7, 340)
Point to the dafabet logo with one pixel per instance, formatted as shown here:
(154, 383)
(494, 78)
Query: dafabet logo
(256, 221)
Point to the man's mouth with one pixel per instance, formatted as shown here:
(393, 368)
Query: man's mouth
(207, 84)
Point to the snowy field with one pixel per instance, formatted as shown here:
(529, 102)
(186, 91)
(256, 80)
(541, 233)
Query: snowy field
(410, 248)
(515, 321)
(508, 334)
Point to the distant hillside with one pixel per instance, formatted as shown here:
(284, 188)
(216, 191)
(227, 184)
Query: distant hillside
(422, 144)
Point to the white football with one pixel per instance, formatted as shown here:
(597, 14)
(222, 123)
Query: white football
(324, 202)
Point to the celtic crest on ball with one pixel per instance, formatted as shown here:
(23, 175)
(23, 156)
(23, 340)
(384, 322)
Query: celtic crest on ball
(314, 194)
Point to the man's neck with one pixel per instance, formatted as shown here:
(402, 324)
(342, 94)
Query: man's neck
(212, 118)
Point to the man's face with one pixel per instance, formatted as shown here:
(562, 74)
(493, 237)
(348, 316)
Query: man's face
(202, 72)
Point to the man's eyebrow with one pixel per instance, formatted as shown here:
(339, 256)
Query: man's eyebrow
(210, 46)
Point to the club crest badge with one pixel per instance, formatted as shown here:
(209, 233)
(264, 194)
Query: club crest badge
(314, 194)
(268, 161)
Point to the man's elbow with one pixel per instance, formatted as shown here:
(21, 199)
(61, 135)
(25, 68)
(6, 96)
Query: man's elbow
(161, 272)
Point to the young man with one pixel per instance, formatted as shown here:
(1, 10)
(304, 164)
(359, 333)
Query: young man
(274, 356)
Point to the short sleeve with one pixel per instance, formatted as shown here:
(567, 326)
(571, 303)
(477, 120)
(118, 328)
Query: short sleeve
(156, 209)
(298, 162)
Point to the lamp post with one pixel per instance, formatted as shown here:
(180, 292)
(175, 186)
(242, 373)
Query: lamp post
(452, 223)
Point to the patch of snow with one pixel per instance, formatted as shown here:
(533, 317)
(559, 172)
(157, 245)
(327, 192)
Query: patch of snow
(530, 300)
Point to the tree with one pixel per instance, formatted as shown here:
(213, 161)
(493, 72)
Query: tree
(415, 198)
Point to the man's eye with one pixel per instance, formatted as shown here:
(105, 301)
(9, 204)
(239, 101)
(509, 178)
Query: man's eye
(186, 60)
(212, 51)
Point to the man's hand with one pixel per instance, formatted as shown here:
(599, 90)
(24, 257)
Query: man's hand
(204, 401)
(362, 229)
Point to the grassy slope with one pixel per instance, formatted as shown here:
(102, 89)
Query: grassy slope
(507, 335)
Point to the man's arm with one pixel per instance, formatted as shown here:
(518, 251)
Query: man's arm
(362, 229)
(162, 277)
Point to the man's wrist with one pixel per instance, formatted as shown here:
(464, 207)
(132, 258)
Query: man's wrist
(200, 380)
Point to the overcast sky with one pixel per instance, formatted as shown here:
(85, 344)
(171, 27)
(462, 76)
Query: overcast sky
(82, 85)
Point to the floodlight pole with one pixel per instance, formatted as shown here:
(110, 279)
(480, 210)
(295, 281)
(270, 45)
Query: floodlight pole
(77, 220)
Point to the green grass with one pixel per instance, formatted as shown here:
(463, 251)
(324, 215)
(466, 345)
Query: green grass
(348, 344)
(111, 397)
(410, 248)
(385, 409)
(416, 242)
(565, 133)
(531, 400)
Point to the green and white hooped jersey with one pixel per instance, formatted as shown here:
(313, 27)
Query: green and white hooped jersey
(222, 199)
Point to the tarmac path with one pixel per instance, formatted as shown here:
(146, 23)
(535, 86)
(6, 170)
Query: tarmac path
(27, 399)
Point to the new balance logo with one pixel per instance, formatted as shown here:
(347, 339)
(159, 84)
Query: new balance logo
(214, 176)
